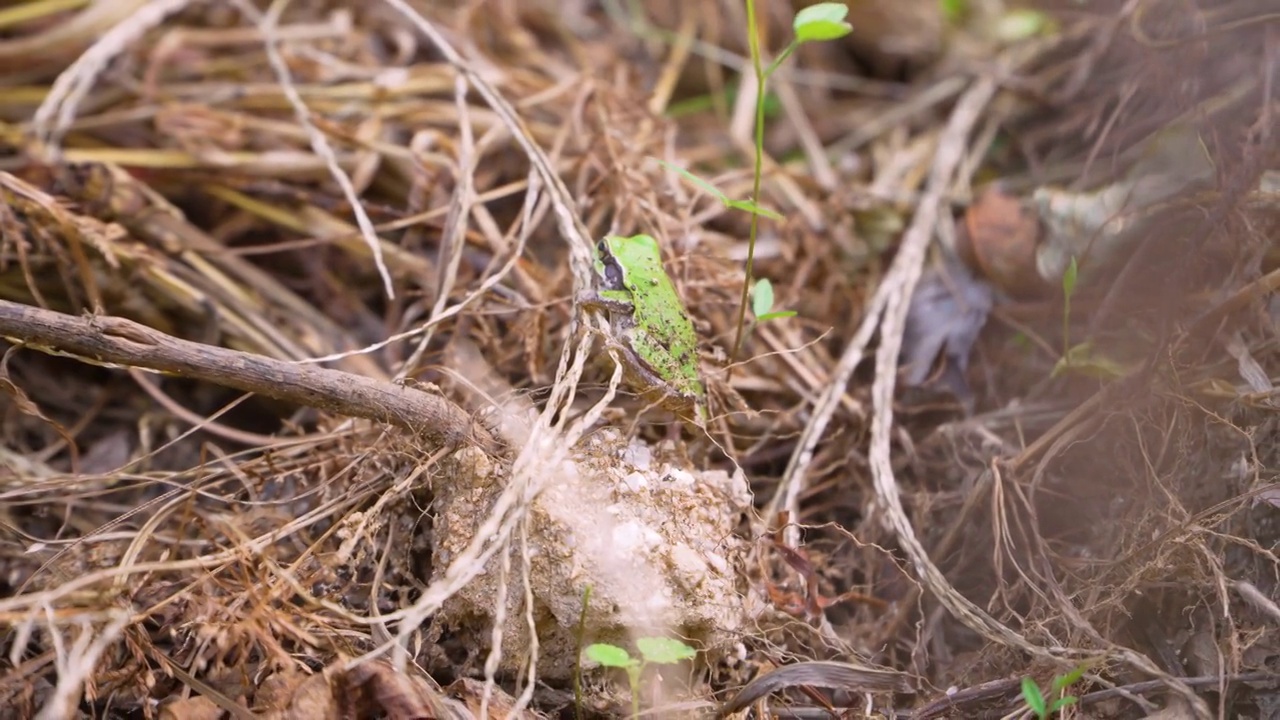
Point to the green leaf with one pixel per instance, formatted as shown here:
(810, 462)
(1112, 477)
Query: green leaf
(1031, 693)
(1062, 702)
(609, 655)
(1069, 278)
(703, 184)
(954, 10)
(762, 297)
(1021, 24)
(748, 206)
(1062, 681)
(776, 315)
(664, 651)
(714, 191)
(824, 21)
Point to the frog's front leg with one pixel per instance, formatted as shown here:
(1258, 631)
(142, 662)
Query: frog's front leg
(596, 300)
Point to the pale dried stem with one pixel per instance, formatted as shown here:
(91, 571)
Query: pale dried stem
(58, 109)
(267, 25)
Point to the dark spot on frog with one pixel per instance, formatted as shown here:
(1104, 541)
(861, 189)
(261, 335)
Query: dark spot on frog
(612, 275)
(612, 271)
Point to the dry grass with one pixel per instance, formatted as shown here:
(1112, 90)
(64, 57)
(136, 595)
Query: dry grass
(278, 279)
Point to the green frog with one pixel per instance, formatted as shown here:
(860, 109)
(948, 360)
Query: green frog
(649, 324)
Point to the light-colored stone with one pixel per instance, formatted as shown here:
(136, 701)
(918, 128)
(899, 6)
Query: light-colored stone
(654, 541)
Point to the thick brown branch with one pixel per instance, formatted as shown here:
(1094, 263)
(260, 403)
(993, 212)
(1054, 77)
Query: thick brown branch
(124, 342)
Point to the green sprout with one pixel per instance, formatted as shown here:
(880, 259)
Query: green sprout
(653, 651)
(1040, 705)
(823, 21)
(1069, 278)
(1081, 358)
(819, 22)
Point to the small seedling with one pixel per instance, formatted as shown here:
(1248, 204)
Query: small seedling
(1037, 701)
(653, 651)
(1081, 358)
(822, 21)
(1069, 278)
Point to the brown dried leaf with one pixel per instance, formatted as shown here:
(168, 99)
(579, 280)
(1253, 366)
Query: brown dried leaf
(471, 692)
(998, 242)
(275, 691)
(377, 684)
(310, 700)
(193, 708)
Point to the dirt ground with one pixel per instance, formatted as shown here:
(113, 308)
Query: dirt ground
(308, 411)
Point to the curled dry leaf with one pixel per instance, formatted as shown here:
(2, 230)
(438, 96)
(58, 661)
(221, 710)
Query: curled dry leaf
(276, 690)
(998, 242)
(193, 708)
(471, 693)
(376, 687)
(312, 698)
(372, 689)
(825, 674)
(1269, 495)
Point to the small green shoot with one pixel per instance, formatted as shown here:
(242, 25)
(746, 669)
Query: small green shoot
(1040, 705)
(818, 22)
(1034, 699)
(1069, 278)
(1080, 358)
(954, 10)
(762, 303)
(653, 651)
(815, 23)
